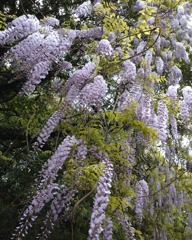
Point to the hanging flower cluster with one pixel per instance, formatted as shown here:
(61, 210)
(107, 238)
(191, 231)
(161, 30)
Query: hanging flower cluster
(104, 47)
(162, 114)
(142, 192)
(130, 71)
(101, 199)
(48, 129)
(93, 93)
(62, 198)
(46, 186)
(126, 225)
(108, 229)
(19, 28)
(84, 9)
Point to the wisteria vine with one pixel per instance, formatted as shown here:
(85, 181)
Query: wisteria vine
(145, 79)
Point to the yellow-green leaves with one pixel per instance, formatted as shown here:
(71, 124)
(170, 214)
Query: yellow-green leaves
(2, 20)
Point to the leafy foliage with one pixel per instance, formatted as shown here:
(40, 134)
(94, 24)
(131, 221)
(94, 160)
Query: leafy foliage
(110, 76)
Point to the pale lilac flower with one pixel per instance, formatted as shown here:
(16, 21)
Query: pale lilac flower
(164, 58)
(141, 47)
(35, 55)
(124, 100)
(60, 201)
(104, 47)
(173, 126)
(136, 92)
(84, 9)
(25, 51)
(108, 229)
(145, 188)
(184, 110)
(180, 10)
(51, 21)
(45, 189)
(80, 77)
(149, 57)
(174, 23)
(187, 95)
(183, 21)
(162, 114)
(151, 20)
(163, 235)
(141, 73)
(30, 214)
(37, 73)
(57, 83)
(159, 65)
(111, 36)
(138, 5)
(81, 152)
(72, 34)
(50, 169)
(172, 91)
(180, 52)
(172, 194)
(130, 71)
(93, 93)
(72, 95)
(146, 107)
(96, 32)
(142, 192)
(157, 40)
(48, 129)
(169, 55)
(158, 187)
(101, 200)
(173, 39)
(175, 75)
(19, 28)
(126, 225)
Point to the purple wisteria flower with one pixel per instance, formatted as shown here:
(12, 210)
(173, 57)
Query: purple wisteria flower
(46, 187)
(149, 57)
(80, 77)
(184, 110)
(173, 122)
(19, 28)
(159, 65)
(51, 21)
(101, 199)
(108, 229)
(142, 192)
(84, 9)
(37, 73)
(141, 47)
(139, 5)
(62, 197)
(162, 114)
(187, 95)
(126, 225)
(48, 129)
(129, 72)
(93, 93)
(104, 47)
(172, 91)
(35, 55)
(175, 75)
(159, 194)
(180, 52)
(96, 32)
